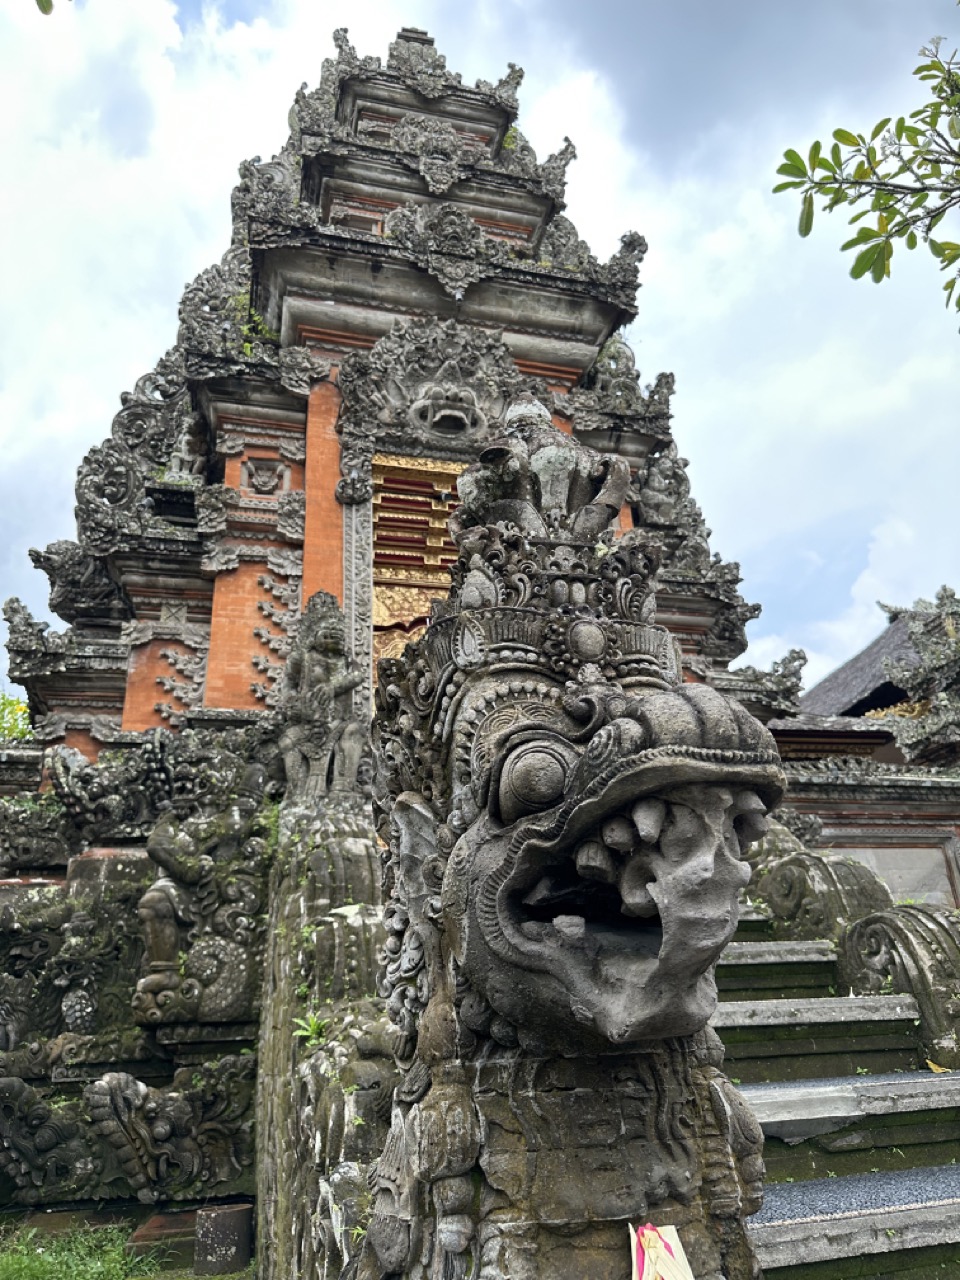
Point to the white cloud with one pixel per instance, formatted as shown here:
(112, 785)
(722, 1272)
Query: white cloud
(806, 403)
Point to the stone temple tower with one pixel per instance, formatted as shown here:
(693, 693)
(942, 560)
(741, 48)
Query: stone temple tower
(397, 273)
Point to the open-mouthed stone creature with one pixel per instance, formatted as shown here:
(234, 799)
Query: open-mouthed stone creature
(566, 821)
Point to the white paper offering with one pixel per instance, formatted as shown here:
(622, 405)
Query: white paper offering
(658, 1254)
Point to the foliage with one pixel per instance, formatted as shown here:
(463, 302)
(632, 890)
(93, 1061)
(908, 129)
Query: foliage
(45, 6)
(91, 1254)
(312, 1030)
(14, 718)
(902, 179)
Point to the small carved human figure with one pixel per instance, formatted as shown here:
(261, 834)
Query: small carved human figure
(665, 488)
(199, 916)
(321, 742)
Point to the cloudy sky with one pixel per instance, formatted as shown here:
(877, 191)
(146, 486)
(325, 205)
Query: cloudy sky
(819, 413)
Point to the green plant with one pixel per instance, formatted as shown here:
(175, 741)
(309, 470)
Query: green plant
(311, 1030)
(904, 177)
(863, 1071)
(14, 718)
(92, 1253)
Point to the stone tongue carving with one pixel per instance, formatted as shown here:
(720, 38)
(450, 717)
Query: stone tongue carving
(566, 823)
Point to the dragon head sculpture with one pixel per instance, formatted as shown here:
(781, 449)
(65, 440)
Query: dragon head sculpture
(567, 818)
(565, 821)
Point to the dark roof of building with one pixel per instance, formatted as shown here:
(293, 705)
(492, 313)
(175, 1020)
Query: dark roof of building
(856, 679)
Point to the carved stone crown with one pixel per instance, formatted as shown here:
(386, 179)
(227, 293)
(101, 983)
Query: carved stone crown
(540, 578)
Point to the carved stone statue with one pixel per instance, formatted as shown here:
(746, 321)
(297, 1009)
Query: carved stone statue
(200, 917)
(566, 823)
(321, 742)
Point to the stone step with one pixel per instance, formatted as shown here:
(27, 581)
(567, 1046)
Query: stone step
(873, 1225)
(860, 1124)
(782, 1040)
(766, 970)
(755, 924)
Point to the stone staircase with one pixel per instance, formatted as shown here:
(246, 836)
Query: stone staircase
(861, 1136)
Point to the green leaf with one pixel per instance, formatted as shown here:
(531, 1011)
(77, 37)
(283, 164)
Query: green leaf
(879, 267)
(846, 137)
(826, 165)
(864, 261)
(835, 155)
(792, 171)
(794, 157)
(863, 236)
(814, 155)
(879, 128)
(806, 215)
(45, 6)
(786, 186)
(911, 239)
(899, 127)
(953, 127)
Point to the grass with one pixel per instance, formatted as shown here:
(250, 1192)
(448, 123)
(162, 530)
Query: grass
(93, 1254)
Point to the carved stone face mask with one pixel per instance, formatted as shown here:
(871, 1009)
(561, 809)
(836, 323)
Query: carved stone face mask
(597, 884)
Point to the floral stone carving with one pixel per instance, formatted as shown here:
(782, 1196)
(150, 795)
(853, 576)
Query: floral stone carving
(566, 822)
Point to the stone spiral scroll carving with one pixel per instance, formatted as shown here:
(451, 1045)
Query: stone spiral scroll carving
(913, 950)
(566, 822)
(811, 896)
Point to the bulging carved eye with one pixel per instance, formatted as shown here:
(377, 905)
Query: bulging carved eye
(533, 777)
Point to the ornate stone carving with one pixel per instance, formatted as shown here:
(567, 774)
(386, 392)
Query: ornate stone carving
(218, 332)
(914, 950)
(358, 598)
(440, 152)
(186, 692)
(34, 832)
(80, 584)
(118, 797)
(291, 514)
(32, 646)
(612, 398)
(566, 822)
(562, 247)
(445, 240)
(813, 896)
(175, 1143)
(428, 386)
(301, 369)
(154, 420)
(767, 693)
(280, 606)
(202, 917)
(927, 725)
(807, 827)
(182, 1141)
(321, 742)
